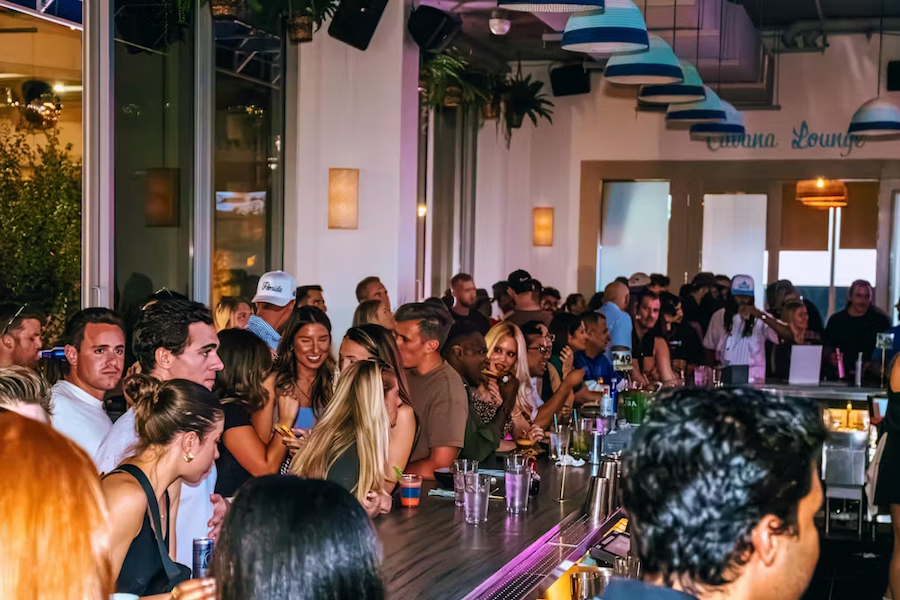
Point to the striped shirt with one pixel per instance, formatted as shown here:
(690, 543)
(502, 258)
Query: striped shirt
(735, 349)
(264, 331)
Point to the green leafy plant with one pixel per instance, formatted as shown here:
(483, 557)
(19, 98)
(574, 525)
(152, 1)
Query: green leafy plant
(447, 80)
(298, 13)
(523, 98)
(398, 473)
(40, 221)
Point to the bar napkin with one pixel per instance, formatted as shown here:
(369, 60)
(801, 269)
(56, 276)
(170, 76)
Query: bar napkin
(568, 460)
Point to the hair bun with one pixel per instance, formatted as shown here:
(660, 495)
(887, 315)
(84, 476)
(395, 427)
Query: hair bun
(143, 390)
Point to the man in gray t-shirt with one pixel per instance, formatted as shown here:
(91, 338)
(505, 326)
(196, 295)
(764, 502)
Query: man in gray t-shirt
(436, 390)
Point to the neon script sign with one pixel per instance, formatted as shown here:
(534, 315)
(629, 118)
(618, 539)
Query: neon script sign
(802, 139)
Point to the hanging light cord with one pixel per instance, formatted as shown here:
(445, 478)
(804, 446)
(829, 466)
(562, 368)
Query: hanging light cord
(880, 45)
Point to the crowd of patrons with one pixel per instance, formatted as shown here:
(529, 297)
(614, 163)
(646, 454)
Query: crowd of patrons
(256, 403)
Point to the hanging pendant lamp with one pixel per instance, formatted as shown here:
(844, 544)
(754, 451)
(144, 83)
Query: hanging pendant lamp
(875, 118)
(689, 90)
(822, 193)
(732, 125)
(658, 65)
(552, 6)
(618, 28)
(708, 110)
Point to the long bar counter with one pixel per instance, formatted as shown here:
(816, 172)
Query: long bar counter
(431, 552)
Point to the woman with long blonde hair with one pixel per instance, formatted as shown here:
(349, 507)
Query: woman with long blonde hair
(350, 442)
(508, 355)
(55, 532)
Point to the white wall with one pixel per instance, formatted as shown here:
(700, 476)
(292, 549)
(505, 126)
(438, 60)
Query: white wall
(734, 237)
(356, 110)
(543, 165)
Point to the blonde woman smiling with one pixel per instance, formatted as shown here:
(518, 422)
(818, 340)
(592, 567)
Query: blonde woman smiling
(507, 354)
(350, 442)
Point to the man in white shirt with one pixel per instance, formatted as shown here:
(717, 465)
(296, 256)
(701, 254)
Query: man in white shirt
(95, 357)
(275, 300)
(738, 332)
(174, 339)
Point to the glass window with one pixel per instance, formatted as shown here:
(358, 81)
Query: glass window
(734, 237)
(40, 177)
(153, 68)
(248, 169)
(825, 251)
(634, 230)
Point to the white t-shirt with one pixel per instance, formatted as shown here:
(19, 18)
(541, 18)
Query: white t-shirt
(79, 416)
(195, 508)
(735, 349)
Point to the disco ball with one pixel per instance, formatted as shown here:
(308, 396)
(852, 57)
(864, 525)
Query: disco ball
(42, 113)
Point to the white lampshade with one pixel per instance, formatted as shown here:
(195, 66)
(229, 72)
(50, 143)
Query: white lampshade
(689, 90)
(733, 124)
(710, 109)
(876, 118)
(658, 65)
(618, 28)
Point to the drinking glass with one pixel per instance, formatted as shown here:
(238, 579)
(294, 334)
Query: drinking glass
(559, 440)
(475, 498)
(460, 468)
(518, 482)
(410, 490)
(581, 438)
(628, 567)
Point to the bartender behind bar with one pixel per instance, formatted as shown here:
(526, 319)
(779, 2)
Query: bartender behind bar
(716, 510)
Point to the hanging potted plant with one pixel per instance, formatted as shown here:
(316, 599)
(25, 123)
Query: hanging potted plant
(495, 88)
(229, 9)
(304, 17)
(447, 81)
(523, 98)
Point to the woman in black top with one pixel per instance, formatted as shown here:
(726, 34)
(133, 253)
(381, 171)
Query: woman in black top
(178, 423)
(242, 454)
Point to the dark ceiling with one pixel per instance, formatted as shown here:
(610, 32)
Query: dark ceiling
(782, 13)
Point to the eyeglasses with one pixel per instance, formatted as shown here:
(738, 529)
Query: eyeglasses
(15, 316)
(545, 350)
(550, 337)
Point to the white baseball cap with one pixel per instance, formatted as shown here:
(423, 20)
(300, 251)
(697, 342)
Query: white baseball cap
(275, 287)
(742, 285)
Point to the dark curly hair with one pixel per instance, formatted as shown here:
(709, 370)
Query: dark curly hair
(703, 470)
(165, 325)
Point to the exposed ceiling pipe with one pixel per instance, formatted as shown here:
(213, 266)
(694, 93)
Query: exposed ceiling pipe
(799, 34)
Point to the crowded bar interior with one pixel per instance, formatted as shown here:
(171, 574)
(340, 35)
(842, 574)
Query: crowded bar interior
(449, 299)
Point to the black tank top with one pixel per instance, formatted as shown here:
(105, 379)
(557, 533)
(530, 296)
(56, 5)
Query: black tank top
(892, 413)
(143, 562)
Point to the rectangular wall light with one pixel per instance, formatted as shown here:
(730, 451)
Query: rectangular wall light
(343, 198)
(542, 226)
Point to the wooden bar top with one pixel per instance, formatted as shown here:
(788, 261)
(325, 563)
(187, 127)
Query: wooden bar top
(431, 552)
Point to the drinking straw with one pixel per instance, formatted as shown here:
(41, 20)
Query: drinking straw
(556, 422)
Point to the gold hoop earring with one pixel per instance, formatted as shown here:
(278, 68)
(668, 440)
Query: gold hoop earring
(188, 457)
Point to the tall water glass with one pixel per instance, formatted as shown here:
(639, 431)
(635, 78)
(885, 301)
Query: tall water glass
(518, 481)
(475, 497)
(559, 441)
(460, 468)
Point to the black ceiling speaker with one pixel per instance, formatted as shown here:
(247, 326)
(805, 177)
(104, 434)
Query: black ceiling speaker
(570, 80)
(354, 21)
(432, 29)
(893, 76)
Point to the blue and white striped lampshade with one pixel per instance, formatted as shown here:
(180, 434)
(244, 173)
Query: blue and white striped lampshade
(875, 118)
(732, 125)
(708, 110)
(618, 28)
(689, 90)
(552, 6)
(658, 65)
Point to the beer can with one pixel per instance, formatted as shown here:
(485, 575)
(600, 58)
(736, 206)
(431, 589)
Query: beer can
(203, 549)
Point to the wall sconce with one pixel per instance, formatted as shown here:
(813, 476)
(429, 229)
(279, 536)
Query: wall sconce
(343, 198)
(542, 226)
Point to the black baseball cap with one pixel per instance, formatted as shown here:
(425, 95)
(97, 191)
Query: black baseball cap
(521, 281)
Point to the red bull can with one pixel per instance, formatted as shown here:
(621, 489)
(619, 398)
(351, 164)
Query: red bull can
(203, 549)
